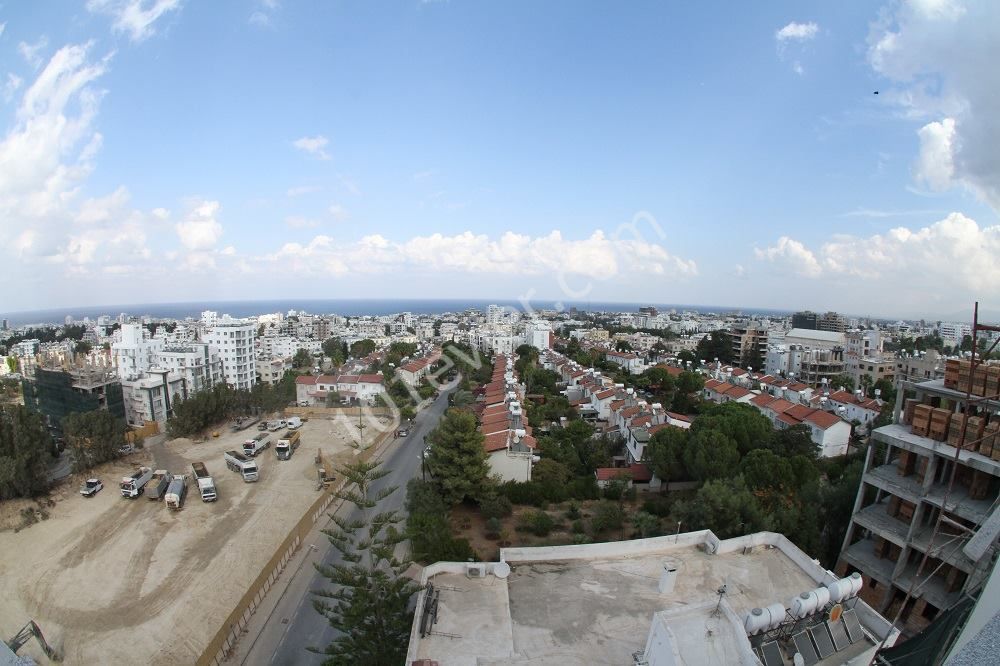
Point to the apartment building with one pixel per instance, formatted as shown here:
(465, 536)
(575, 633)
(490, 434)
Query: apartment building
(235, 341)
(135, 352)
(918, 366)
(905, 489)
(151, 397)
(198, 363)
(749, 340)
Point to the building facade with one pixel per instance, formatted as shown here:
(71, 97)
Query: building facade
(235, 341)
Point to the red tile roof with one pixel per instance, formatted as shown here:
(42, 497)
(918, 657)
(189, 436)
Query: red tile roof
(737, 392)
(762, 400)
(779, 405)
(823, 420)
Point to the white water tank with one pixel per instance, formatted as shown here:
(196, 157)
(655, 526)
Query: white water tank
(501, 569)
(822, 596)
(756, 621)
(803, 605)
(857, 582)
(839, 589)
(777, 612)
(668, 577)
(656, 405)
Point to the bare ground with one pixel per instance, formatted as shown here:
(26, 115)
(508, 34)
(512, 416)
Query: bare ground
(112, 580)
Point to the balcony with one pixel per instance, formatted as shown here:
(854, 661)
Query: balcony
(959, 502)
(934, 589)
(862, 556)
(875, 519)
(888, 479)
(899, 435)
(947, 547)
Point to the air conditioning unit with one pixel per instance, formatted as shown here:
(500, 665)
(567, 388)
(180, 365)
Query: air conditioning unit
(475, 570)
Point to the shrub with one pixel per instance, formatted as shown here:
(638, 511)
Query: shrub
(578, 527)
(608, 516)
(658, 506)
(495, 506)
(538, 523)
(573, 512)
(493, 528)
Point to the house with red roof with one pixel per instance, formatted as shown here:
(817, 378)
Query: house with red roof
(313, 390)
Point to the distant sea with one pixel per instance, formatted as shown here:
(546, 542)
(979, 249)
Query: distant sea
(345, 307)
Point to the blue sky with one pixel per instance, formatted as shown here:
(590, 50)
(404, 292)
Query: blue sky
(721, 153)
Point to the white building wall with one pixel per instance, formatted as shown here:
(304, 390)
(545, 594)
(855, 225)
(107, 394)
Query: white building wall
(235, 342)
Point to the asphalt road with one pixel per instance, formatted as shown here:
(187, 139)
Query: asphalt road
(295, 625)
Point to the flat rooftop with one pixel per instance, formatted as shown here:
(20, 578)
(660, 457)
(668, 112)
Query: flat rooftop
(595, 604)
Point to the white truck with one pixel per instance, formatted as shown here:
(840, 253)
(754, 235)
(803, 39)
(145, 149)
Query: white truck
(176, 492)
(133, 486)
(157, 484)
(206, 485)
(275, 426)
(287, 444)
(293, 423)
(252, 447)
(238, 462)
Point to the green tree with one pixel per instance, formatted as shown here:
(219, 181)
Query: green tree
(623, 346)
(302, 359)
(427, 526)
(334, 349)
(688, 390)
(362, 348)
(716, 345)
(368, 604)
(25, 448)
(793, 441)
(836, 502)
(12, 364)
(887, 392)
(686, 357)
(548, 471)
(83, 347)
(725, 506)
(645, 524)
(607, 516)
(740, 422)
(93, 437)
(575, 447)
(842, 380)
(457, 458)
(665, 453)
(764, 471)
(711, 455)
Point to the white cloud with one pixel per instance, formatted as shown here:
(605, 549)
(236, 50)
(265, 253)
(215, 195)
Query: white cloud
(799, 32)
(12, 86)
(200, 230)
(300, 190)
(134, 17)
(313, 145)
(32, 53)
(936, 165)
(791, 255)
(259, 19)
(940, 58)
(3, 26)
(300, 222)
(262, 17)
(798, 68)
(510, 254)
(338, 212)
(951, 261)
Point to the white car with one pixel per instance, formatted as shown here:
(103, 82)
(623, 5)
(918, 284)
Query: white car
(91, 487)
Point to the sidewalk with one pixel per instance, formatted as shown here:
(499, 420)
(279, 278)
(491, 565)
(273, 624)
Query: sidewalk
(290, 586)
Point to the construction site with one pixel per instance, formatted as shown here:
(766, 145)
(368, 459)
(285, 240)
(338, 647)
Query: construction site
(115, 580)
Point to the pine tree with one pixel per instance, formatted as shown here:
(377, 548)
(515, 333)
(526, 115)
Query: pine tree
(25, 448)
(370, 595)
(457, 458)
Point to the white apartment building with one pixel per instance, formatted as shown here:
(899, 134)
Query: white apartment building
(135, 353)
(272, 370)
(538, 334)
(235, 341)
(198, 363)
(152, 397)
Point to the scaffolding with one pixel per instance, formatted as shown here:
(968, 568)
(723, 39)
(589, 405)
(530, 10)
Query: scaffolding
(56, 393)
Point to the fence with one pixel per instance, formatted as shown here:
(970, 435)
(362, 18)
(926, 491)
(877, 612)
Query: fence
(330, 412)
(149, 429)
(221, 645)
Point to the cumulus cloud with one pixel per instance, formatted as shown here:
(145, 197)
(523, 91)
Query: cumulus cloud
(792, 255)
(598, 256)
(940, 58)
(12, 85)
(133, 17)
(200, 230)
(798, 32)
(313, 145)
(953, 259)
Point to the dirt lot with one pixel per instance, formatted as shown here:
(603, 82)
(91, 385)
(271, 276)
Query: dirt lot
(113, 580)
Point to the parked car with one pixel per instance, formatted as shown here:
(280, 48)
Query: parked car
(402, 432)
(91, 487)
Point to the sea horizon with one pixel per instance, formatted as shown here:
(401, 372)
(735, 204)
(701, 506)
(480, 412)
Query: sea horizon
(346, 307)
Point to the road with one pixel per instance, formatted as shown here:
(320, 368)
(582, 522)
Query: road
(295, 625)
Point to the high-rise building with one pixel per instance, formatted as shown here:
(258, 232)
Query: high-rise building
(56, 393)
(235, 341)
(831, 321)
(136, 352)
(805, 320)
(909, 479)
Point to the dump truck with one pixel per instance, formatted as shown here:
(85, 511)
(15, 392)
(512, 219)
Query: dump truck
(252, 447)
(176, 492)
(206, 485)
(158, 484)
(132, 486)
(287, 444)
(238, 462)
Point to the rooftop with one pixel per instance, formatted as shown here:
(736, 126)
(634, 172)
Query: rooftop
(597, 603)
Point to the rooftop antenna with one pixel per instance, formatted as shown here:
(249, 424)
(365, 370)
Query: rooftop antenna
(721, 592)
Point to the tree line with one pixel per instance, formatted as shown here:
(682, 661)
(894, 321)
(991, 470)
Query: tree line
(221, 402)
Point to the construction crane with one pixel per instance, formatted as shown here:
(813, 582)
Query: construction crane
(23, 636)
